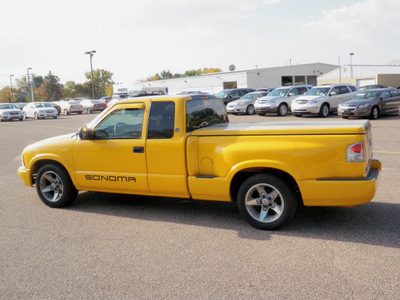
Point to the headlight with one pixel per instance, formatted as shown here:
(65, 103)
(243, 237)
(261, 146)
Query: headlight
(271, 102)
(363, 105)
(240, 105)
(313, 102)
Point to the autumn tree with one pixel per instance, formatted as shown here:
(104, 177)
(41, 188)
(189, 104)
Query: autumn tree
(101, 80)
(50, 89)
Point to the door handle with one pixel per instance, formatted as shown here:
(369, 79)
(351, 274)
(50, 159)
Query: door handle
(138, 149)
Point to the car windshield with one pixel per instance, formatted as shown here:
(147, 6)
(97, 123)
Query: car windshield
(250, 96)
(222, 94)
(318, 91)
(367, 96)
(73, 102)
(40, 105)
(7, 106)
(279, 92)
(204, 112)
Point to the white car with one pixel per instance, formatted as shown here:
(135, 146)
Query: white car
(322, 100)
(39, 110)
(279, 100)
(10, 112)
(245, 105)
(71, 106)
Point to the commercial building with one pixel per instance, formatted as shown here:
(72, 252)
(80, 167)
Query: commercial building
(254, 78)
(361, 75)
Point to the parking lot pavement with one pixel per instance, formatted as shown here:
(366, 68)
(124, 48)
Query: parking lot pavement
(108, 246)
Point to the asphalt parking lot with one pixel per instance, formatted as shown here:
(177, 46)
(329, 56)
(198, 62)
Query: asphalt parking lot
(108, 246)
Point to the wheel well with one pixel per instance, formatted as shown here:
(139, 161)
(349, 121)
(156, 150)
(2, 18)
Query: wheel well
(241, 176)
(41, 163)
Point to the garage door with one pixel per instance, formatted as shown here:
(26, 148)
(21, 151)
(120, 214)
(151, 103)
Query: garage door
(365, 81)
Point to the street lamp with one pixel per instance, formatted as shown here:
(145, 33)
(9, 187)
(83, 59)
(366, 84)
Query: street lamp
(91, 68)
(29, 86)
(351, 64)
(11, 90)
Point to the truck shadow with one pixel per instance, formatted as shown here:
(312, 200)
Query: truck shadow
(374, 223)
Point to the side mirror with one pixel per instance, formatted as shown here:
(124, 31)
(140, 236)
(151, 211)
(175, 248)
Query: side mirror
(333, 94)
(85, 133)
(291, 94)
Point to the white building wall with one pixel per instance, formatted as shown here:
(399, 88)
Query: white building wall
(255, 78)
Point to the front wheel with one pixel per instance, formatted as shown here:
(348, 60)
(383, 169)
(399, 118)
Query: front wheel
(282, 109)
(250, 110)
(54, 186)
(324, 110)
(266, 202)
(89, 111)
(374, 113)
(66, 112)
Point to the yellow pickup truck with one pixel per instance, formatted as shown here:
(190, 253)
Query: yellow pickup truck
(185, 147)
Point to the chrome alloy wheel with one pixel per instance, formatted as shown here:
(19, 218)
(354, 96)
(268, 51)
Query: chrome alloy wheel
(51, 186)
(264, 203)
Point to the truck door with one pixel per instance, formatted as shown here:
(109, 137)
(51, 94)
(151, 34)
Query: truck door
(166, 151)
(115, 159)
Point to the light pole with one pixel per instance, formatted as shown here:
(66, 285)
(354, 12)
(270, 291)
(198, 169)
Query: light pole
(11, 90)
(29, 87)
(91, 68)
(351, 64)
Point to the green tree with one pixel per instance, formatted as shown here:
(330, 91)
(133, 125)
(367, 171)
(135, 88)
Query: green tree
(101, 79)
(69, 90)
(50, 89)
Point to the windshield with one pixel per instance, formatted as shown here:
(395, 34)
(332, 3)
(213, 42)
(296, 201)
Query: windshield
(40, 105)
(279, 92)
(204, 112)
(367, 96)
(250, 96)
(318, 91)
(222, 94)
(7, 106)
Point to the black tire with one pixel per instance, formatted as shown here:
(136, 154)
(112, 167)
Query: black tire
(374, 113)
(250, 110)
(54, 186)
(282, 109)
(345, 117)
(266, 202)
(66, 113)
(89, 111)
(324, 110)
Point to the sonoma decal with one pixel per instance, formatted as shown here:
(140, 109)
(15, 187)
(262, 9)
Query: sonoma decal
(110, 178)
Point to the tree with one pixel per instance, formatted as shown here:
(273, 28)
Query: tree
(167, 74)
(101, 79)
(69, 90)
(50, 89)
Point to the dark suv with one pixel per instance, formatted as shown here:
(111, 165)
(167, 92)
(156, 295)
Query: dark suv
(233, 94)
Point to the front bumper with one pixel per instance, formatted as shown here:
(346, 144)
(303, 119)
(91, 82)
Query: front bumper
(351, 112)
(266, 109)
(345, 192)
(25, 175)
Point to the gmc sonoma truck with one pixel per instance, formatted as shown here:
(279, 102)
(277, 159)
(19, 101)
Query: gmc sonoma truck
(185, 147)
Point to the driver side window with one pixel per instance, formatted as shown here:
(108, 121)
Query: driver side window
(125, 123)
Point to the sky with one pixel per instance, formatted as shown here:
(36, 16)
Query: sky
(135, 39)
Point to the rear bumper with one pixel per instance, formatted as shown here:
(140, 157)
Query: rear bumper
(346, 192)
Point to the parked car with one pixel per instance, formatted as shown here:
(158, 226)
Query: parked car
(372, 86)
(56, 106)
(322, 100)
(105, 99)
(70, 106)
(20, 105)
(279, 100)
(39, 110)
(245, 105)
(371, 103)
(233, 94)
(93, 105)
(266, 89)
(10, 112)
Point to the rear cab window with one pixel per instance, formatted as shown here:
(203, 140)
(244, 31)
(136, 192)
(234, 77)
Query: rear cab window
(203, 112)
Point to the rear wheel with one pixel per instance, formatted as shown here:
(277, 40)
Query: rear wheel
(250, 110)
(266, 202)
(324, 110)
(282, 109)
(54, 186)
(374, 113)
(89, 111)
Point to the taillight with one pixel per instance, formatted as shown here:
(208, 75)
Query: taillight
(355, 152)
